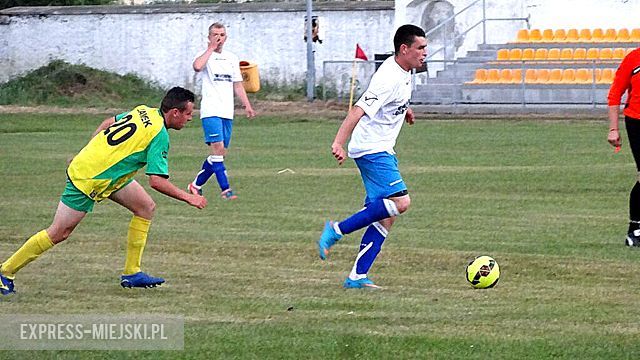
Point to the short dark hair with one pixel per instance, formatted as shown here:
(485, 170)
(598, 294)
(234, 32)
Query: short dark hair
(177, 98)
(406, 34)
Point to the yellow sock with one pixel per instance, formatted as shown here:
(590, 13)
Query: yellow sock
(136, 239)
(29, 251)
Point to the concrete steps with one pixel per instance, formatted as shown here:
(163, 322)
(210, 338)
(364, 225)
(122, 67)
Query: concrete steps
(450, 85)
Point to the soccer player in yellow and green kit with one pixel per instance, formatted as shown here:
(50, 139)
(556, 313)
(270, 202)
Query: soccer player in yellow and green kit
(104, 168)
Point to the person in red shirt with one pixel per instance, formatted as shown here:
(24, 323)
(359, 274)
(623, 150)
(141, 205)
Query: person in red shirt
(627, 80)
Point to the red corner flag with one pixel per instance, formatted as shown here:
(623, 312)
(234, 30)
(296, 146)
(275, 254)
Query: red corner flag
(360, 53)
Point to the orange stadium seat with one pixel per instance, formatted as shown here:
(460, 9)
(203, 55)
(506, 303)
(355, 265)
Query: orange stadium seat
(528, 54)
(623, 35)
(606, 77)
(559, 35)
(606, 54)
(480, 77)
(593, 54)
(584, 76)
(515, 54)
(516, 76)
(553, 54)
(503, 55)
(610, 35)
(568, 76)
(629, 50)
(618, 54)
(505, 76)
(572, 35)
(555, 76)
(535, 35)
(542, 76)
(541, 54)
(585, 35)
(579, 54)
(523, 36)
(530, 76)
(635, 35)
(566, 54)
(597, 35)
(547, 35)
(493, 75)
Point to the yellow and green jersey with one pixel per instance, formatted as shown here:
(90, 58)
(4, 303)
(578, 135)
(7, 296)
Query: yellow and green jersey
(111, 159)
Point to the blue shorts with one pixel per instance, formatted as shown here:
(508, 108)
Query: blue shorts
(217, 129)
(380, 175)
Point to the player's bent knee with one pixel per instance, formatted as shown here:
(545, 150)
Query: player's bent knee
(217, 148)
(150, 208)
(145, 209)
(59, 235)
(401, 202)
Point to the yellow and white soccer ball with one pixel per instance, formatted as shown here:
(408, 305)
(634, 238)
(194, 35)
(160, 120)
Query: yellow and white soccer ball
(483, 272)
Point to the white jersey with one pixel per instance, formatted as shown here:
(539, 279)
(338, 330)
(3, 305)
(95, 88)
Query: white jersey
(384, 103)
(218, 76)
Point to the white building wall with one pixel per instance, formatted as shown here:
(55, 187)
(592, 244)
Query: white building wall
(584, 13)
(161, 45)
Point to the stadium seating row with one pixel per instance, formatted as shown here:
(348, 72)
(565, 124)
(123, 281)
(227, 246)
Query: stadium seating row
(563, 54)
(575, 35)
(543, 76)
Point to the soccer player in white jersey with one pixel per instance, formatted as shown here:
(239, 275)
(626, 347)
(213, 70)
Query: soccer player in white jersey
(221, 78)
(373, 125)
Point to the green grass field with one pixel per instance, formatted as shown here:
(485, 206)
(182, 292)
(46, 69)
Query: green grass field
(546, 199)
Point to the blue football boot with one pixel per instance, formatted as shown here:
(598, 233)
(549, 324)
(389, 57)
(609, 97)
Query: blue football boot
(359, 284)
(228, 195)
(140, 279)
(6, 285)
(327, 239)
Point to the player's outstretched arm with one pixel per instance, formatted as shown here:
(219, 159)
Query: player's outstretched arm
(165, 186)
(348, 124)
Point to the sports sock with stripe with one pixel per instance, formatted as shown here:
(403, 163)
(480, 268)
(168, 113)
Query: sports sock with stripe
(370, 246)
(375, 211)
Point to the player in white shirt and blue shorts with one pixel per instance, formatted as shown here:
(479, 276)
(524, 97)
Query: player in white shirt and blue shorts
(373, 125)
(221, 78)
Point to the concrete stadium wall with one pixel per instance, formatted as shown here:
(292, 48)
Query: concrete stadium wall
(160, 42)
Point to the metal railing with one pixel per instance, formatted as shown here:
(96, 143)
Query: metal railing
(450, 19)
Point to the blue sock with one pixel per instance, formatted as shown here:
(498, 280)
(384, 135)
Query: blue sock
(220, 171)
(375, 211)
(370, 246)
(204, 174)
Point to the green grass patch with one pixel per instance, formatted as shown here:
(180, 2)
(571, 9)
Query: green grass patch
(548, 200)
(62, 84)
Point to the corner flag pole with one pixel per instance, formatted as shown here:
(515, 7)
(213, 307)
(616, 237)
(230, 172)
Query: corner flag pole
(353, 83)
